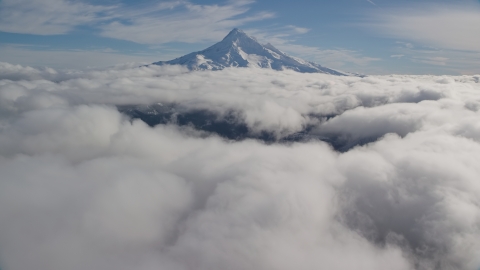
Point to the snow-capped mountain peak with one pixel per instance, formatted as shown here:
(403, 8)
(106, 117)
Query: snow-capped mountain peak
(238, 49)
(237, 34)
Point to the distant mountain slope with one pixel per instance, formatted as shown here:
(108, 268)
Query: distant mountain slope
(238, 49)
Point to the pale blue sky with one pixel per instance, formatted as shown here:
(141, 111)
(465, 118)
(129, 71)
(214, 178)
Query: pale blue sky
(366, 36)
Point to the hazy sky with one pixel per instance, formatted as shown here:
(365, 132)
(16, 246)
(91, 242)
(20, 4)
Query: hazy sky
(367, 36)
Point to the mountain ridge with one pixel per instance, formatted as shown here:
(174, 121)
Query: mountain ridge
(237, 49)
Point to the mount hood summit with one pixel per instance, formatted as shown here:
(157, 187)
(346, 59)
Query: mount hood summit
(238, 49)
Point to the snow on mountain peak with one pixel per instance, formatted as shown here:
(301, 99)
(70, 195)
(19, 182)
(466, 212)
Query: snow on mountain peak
(236, 33)
(238, 49)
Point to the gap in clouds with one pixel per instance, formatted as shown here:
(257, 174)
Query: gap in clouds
(231, 125)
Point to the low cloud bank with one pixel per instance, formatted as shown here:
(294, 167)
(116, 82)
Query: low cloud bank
(83, 186)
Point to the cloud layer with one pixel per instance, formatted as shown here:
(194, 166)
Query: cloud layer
(85, 187)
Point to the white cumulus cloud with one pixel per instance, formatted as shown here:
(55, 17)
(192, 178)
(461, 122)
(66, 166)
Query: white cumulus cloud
(83, 186)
